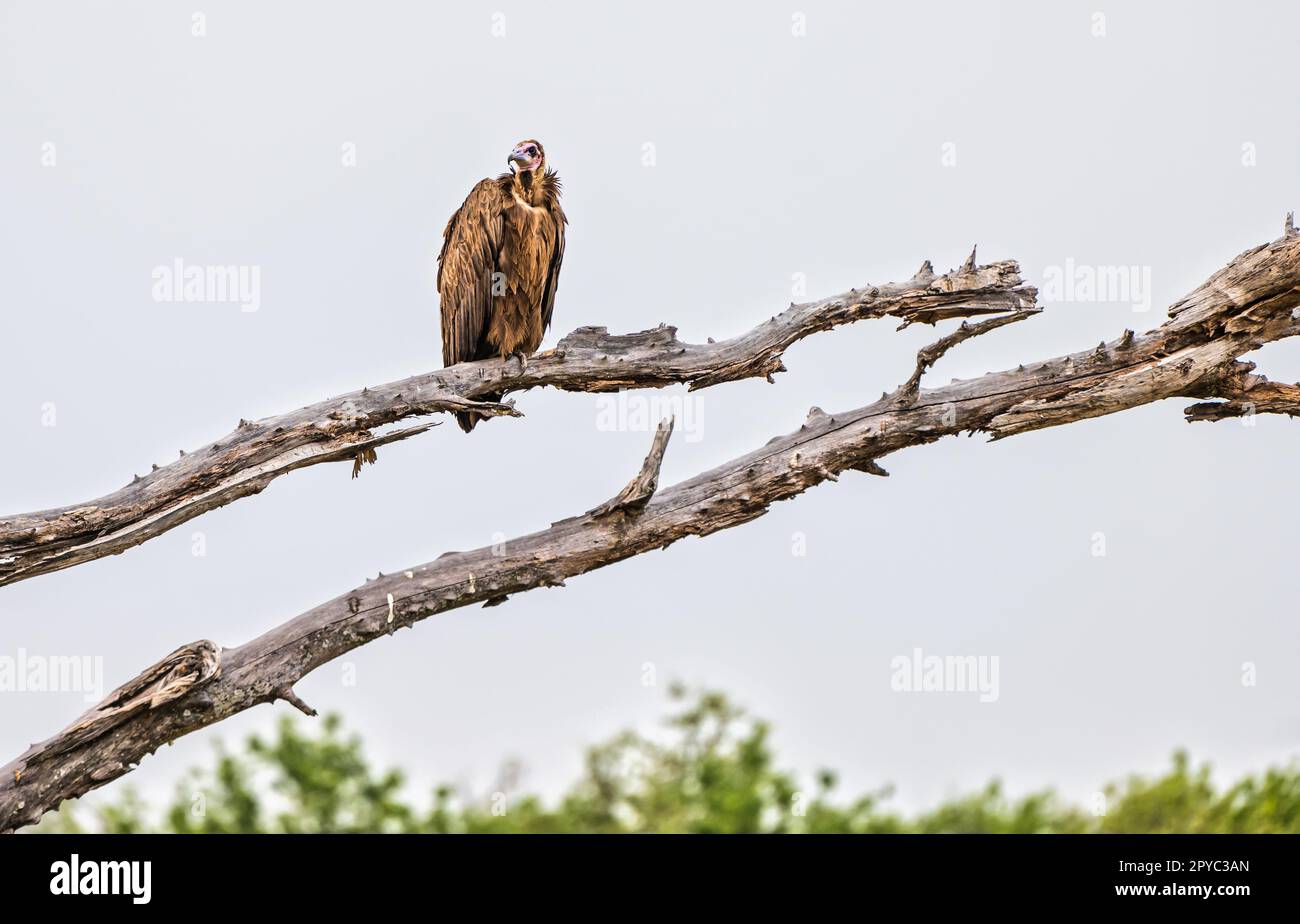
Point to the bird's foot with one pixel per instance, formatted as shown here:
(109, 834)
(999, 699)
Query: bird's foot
(523, 360)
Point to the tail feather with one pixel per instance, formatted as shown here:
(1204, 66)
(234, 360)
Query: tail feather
(468, 421)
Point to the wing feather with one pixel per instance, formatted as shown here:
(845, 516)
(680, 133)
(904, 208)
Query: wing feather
(471, 244)
(557, 258)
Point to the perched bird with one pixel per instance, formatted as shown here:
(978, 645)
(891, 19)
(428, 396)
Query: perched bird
(500, 264)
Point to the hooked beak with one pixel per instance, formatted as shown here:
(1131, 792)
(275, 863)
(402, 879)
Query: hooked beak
(517, 156)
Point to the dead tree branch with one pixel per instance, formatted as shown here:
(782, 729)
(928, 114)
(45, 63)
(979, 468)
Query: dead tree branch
(641, 488)
(1252, 301)
(1245, 394)
(345, 428)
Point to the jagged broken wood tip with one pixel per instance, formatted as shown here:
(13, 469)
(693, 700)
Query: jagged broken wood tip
(641, 488)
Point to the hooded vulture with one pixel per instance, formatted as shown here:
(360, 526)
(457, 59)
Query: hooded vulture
(500, 264)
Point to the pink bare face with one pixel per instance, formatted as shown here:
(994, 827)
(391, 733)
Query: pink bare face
(526, 155)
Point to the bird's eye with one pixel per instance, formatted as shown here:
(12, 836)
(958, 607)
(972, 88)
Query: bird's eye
(532, 150)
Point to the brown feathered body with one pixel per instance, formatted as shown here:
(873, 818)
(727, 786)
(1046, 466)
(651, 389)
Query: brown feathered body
(499, 268)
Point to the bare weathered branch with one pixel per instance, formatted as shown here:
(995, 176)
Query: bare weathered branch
(1245, 394)
(290, 697)
(1246, 304)
(344, 428)
(181, 672)
(928, 356)
(640, 489)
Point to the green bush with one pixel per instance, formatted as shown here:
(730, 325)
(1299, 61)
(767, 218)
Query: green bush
(716, 773)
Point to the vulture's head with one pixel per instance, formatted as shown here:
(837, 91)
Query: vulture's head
(527, 156)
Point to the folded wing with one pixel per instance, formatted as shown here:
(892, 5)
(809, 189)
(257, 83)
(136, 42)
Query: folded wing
(471, 244)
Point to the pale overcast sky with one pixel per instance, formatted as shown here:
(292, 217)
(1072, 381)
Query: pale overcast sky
(325, 145)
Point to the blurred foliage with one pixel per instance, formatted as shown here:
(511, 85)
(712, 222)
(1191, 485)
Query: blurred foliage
(715, 772)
